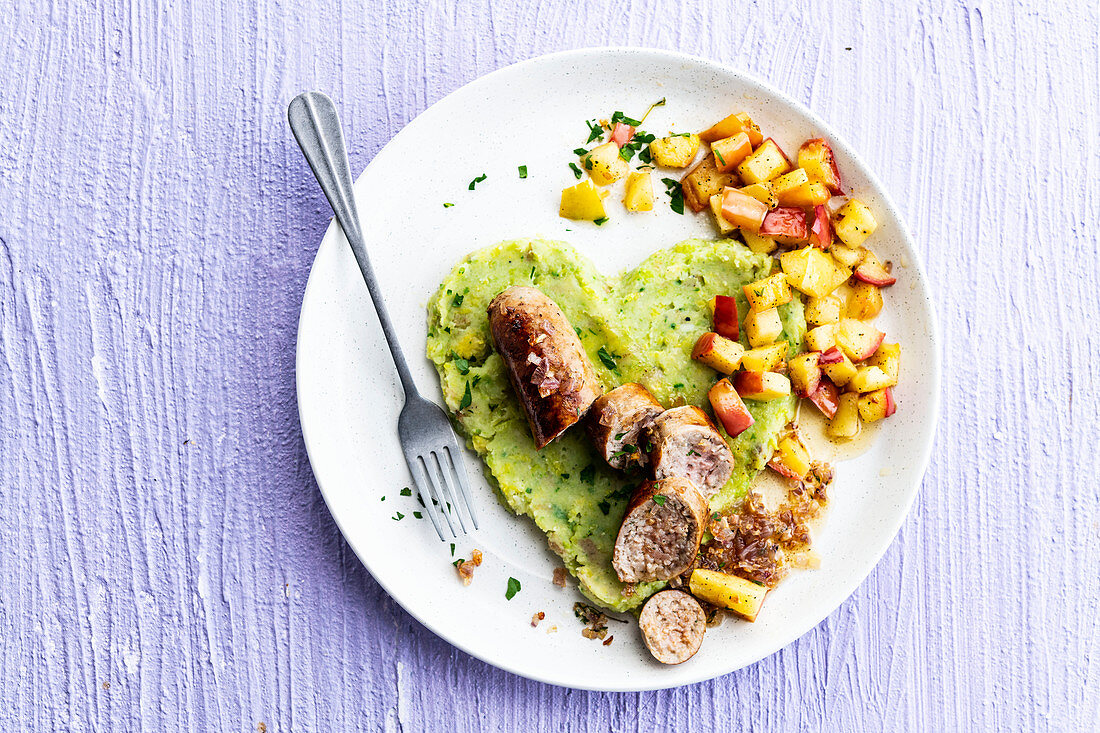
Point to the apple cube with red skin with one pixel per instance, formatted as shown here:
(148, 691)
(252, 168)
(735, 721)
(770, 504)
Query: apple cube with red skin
(727, 321)
(762, 192)
(732, 125)
(821, 338)
(791, 459)
(877, 405)
(845, 423)
(703, 181)
(604, 164)
(857, 339)
(765, 163)
(816, 156)
(826, 398)
(846, 256)
(729, 408)
(888, 359)
(730, 151)
(870, 379)
(742, 210)
(720, 354)
(873, 272)
(821, 231)
(768, 292)
(761, 386)
(763, 327)
(786, 224)
(764, 358)
(805, 373)
(724, 227)
(837, 366)
(865, 302)
(621, 134)
(854, 222)
(807, 196)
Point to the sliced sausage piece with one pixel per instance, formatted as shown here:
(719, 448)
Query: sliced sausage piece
(660, 534)
(619, 421)
(547, 365)
(686, 443)
(672, 624)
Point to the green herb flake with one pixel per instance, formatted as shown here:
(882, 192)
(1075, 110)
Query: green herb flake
(458, 562)
(523, 171)
(457, 301)
(576, 171)
(659, 499)
(588, 474)
(447, 206)
(607, 359)
(678, 385)
(477, 180)
(580, 151)
(595, 130)
(718, 155)
(462, 365)
(467, 398)
(601, 221)
(532, 273)
(513, 588)
(452, 549)
(675, 192)
(605, 506)
(406, 491)
(398, 517)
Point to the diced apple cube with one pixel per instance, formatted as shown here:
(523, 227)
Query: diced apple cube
(741, 596)
(876, 405)
(811, 271)
(758, 243)
(764, 358)
(826, 398)
(821, 338)
(854, 222)
(791, 458)
(786, 224)
(724, 227)
(702, 182)
(869, 379)
(858, 340)
(732, 125)
(604, 164)
(820, 311)
(763, 327)
(845, 423)
(873, 272)
(846, 256)
(888, 358)
(674, 151)
(730, 151)
(581, 202)
(769, 292)
(720, 354)
(808, 195)
(865, 302)
(821, 230)
(727, 321)
(765, 163)
(805, 373)
(742, 211)
(729, 408)
(621, 133)
(816, 156)
(762, 386)
(638, 195)
(762, 192)
(837, 366)
(788, 182)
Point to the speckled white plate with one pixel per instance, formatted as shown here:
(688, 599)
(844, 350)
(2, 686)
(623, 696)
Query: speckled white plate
(533, 114)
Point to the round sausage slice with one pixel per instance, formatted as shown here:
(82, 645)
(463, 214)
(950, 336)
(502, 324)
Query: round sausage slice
(686, 443)
(660, 534)
(672, 624)
(618, 422)
(547, 365)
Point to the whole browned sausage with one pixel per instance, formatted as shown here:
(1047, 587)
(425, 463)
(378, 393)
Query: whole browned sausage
(672, 624)
(686, 443)
(618, 423)
(660, 534)
(547, 365)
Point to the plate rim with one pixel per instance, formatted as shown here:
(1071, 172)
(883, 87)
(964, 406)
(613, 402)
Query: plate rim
(916, 263)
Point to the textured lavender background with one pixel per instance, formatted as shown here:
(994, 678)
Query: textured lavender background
(166, 560)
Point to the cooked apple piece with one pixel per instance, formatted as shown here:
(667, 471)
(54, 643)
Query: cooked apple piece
(638, 195)
(821, 230)
(820, 311)
(805, 373)
(729, 408)
(761, 386)
(674, 151)
(888, 358)
(741, 596)
(837, 366)
(807, 196)
(817, 158)
(759, 244)
(873, 272)
(811, 271)
(765, 163)
(854, 222)
(621, 134)
(762, 192)
(846, 256)
(821, 338)
(724, 227)
(788, 182)
(720, 354)
(702, 182)
(791, 455)
(604, 164)
(732, 125)
(858, 340)
(877, 405)
(581, 202)
(742, 211)
(865, 302)
(786, 225)
(763, 327)
(764, 358)
(869, 379)
(826, 398)
(730, 151)
(769, 292)
(845, 423)
(727, 321)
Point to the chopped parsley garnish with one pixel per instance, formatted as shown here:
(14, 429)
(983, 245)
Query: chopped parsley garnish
(675, 192)
(678, 385)
(406, 491)
(462, 365)
(580, 151)
(718, 155)
(418, 515)
(452, 549)
(477, 180)
(398, 517)
(692, 452)
(458, 562)
(587, 160)
(605, 506)
(532, 273)
(576, 170)
(467, 398)
(715, 516)
(645, 158)
(595, 130)
(601, 221)
(588, 474)
(383, 498)
(607, 359)
(620, 117)
(659, 499)
(457, 300)
(523, 171)
(620, 436)
(513, 588)
(447, 206)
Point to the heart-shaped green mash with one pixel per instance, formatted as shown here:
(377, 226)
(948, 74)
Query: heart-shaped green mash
(637, 327)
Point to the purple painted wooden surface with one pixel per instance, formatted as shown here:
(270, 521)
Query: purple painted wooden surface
(165, 557)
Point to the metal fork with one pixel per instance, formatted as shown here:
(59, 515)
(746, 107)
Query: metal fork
(427, 438)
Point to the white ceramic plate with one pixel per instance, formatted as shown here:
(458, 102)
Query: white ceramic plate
(533, 114)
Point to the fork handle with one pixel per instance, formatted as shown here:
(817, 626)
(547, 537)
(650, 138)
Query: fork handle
(316, 127)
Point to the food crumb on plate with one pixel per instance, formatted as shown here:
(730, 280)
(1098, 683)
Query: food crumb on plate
(559, 577)
(466, 567)
(553, 629)
(608, 640)
(536, 618)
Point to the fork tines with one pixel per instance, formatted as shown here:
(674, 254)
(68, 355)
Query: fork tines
(436, 474)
